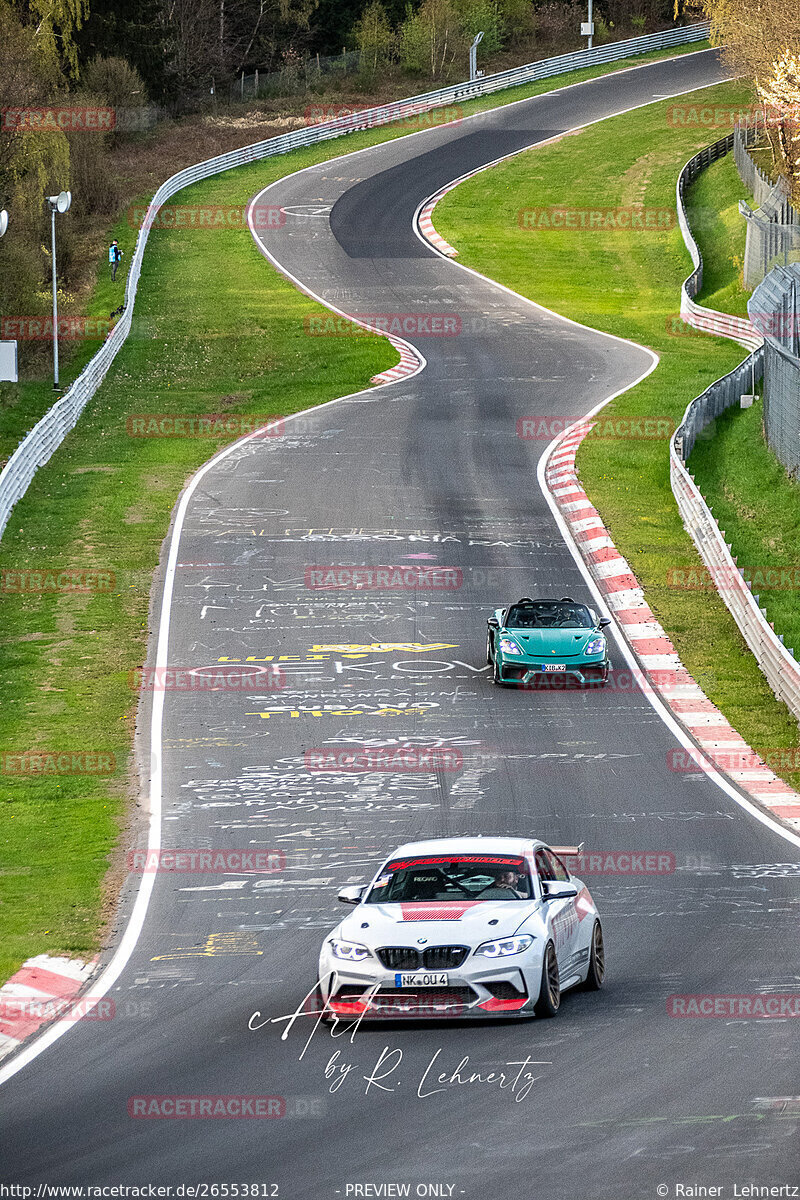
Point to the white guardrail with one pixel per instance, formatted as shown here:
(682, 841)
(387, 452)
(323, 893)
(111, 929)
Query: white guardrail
(47, 435)
(778, 664)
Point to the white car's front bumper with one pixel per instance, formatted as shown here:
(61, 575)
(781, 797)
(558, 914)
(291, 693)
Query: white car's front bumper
(477, 988)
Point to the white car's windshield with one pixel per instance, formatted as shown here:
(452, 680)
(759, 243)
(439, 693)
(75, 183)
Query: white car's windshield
(443, 877)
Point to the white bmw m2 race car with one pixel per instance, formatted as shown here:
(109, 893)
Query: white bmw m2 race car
(463, 927)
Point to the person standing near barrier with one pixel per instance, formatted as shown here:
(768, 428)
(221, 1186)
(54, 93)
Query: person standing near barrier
(114, 257)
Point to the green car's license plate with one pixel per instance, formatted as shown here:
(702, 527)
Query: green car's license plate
(554, 666)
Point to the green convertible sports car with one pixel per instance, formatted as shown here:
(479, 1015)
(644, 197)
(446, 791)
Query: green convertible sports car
(534, 639)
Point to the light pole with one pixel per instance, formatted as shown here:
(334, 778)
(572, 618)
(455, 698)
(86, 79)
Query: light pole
(59, 203)
(587, 27)
(473, 57)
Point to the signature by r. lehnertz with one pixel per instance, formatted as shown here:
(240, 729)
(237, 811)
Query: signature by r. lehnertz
(516, 1077)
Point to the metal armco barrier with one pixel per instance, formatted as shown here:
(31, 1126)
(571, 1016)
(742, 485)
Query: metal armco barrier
(47, 435)
(707, 319)
(778, 664)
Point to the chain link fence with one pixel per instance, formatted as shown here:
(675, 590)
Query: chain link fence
(773, 228)
(773, 310)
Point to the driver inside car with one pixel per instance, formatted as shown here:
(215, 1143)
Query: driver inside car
(503, 888)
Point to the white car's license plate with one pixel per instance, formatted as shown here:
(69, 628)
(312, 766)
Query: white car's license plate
(554, 666)
(421, 979)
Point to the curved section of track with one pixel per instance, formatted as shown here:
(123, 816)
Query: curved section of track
(428, 471)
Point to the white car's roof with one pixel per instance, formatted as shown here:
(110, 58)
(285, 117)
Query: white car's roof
(467, 845)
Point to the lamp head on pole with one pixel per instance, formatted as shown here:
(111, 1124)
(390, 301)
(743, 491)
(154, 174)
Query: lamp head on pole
(61, 202)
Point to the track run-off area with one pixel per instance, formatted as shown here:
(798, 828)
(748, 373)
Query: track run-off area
(614, 1098)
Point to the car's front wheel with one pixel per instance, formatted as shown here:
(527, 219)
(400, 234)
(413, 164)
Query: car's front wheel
(597, 960)
(550, 991)
(488, 649)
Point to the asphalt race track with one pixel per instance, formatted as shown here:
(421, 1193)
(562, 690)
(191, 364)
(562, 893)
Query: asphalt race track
(428, 471)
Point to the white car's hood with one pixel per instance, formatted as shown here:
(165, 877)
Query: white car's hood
(447, 923)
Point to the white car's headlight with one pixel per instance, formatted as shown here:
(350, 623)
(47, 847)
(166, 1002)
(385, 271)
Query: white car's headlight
(509, 647)
(504, 946)
(595, 646)
(349, 950)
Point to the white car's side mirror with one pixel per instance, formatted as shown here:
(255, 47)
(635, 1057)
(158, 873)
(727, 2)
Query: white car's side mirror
(558, 889)
(352, 895)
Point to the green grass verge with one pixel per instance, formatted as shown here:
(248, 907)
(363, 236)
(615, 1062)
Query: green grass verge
(216, 329)
(629, 285)
(712, 203)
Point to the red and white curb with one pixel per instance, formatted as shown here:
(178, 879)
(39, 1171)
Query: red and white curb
(41, 990)
(719, 743)
(425, 221)
(410, 363)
